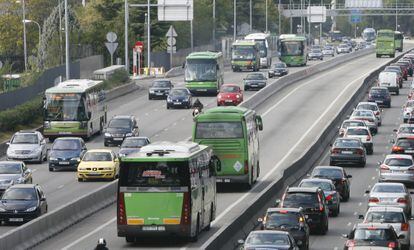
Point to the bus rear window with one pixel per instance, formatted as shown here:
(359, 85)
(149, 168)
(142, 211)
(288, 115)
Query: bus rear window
(155, 174)
(219, 130)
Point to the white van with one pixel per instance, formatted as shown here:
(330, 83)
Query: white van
(389, 80)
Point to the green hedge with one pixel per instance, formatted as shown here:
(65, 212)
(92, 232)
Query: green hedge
(23, 114)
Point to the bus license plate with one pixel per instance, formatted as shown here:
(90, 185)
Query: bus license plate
(153, 228)
(65, 133)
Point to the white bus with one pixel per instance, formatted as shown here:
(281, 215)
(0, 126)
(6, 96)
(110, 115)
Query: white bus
(369, 34)
(262, 40)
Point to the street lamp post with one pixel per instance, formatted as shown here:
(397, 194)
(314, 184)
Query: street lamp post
(38, 25)
(267, 27)
(234, 20)
(251, 17)
(67, 40)
(24, 32)
(396, 15)
(214, 24)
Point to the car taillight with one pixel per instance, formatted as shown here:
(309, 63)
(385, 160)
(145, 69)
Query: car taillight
(368, 138)
(350, 243)
(219, 96)
(329, 197)
(246, 167)
(397, 148)
(384, 167)
(377, 113)
(373, 200)
(405, 227)
(321, 208)
(121, 209)
(410, 169)
(392, 245)
(402, 200)
(360, 151)
(335, 151)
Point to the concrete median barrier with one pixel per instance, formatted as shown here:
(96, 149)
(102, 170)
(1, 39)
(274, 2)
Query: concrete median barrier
(226, 237)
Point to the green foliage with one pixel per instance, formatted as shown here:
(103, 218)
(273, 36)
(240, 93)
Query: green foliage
(23, 114)
(118, 78)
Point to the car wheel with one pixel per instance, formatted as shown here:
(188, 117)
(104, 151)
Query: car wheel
(80, 180)
(362, 165)
(335, 212)
(346, 197)
(379, 124)
(245, 88)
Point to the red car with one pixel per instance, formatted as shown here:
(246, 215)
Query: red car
(230, 94)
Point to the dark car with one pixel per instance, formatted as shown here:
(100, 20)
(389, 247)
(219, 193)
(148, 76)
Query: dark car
(254, 81)
(404, 69)
(380, 95)
(66, 153)
(292, 220)
(269, 239)
(403, 145)
(315, 54)
(119, 128)
(179, 97)
(278, 69)
(312, 201)
(348, 151)
(338, 176)
(160, 89)
(409, 65)
(21, 203)
(132, 145)
(13, 172)
(372, 235)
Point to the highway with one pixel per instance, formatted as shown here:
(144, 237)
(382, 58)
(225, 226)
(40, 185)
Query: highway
(293, 118)
(154, 121)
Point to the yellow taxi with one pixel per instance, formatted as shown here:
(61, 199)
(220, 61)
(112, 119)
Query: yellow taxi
(98, 164)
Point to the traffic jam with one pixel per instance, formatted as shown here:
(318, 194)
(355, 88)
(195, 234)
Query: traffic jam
(304, 211)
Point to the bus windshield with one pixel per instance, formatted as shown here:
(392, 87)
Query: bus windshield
(389, 35)
(201, 70)
(65, 107)
(261, 44)
(292, 48)
(220, 130)
(243, 53)
(155, 174)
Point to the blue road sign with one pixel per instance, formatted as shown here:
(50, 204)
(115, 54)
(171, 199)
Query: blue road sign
(355, 16)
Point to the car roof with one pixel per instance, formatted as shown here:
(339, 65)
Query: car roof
(405, 136)
(289, 209)
(100, 150)
(328, 167)
(317, 179)
(303, 189)
(122, 117)
(388, 184)
(353, 120)
(375, 225)
(137, 137)
(5, 162)
(230, 85)
(403, 125)
(269, 232)
(385, 209)
(369, 103)
(398, 156)
(27, 132)
(68, 138)
(383, 88)
(24, 186)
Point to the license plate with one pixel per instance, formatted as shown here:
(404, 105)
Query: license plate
(228, 101)
(379, 101)
(177, 103)
(64, 163)
(153, 228)
(399, 171)
(254, 85)
(159, 93)
(15, 219)
(94, 174)
(347, 152)
(118, 139)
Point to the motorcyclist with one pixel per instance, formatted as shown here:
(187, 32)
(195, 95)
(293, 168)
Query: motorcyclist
(101, 245)
(197, 107)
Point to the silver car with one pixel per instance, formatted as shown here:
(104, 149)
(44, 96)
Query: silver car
(28, 146)
(408, 111)
(373, 106)
(394, 216)
(369, 117)
(13, 172)
(390, 195)
(362, 133)
(405, 129)
(397, 168)
(350, 123)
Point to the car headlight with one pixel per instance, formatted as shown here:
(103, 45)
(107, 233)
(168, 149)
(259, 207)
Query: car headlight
(237, 96)
(151, 91)
(2, 209)
(107, 134)
(31, 209)
(219, 96)
(128, 134)
(75, 159)
(36, 150)
(168, 99)
(52, 159)
(20, 180)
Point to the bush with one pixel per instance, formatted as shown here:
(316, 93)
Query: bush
(23, 114)
(118, 78)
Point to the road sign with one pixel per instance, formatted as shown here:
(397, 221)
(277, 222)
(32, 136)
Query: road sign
(363, 3)
(171, 41)
(175, 10)
(316, 14)
(355, 16)
(171, 32)
(174, 50)
(111, 47)
(111, 37)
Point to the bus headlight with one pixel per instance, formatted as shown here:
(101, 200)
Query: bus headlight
(46, 124)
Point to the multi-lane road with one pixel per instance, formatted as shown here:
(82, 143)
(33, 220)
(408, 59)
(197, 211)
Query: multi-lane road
(292, 118)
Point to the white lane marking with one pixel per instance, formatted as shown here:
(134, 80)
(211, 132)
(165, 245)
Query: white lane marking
(174, 124)
(146, 114)
(156, 135)
(89, 234)
(349, 224)
(360, 204)
(373, 177)
(34, 170)
(355, 213)
(61, 186)
(276, 167)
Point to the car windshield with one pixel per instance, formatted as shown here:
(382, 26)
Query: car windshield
(357, 131)
(280, 65)
(19, 194)
(362, 113)
(267, 239)
(161, 84)
(342, 143)
(325, 186)
(10, 168)
(353, 124)
(255, 77)
(406, 130)
(400, 162)
(300, 200)
(316, 51)
(25, 139)
(230, 89)
(282, 219)
(405, 143)
(179, 92)
(385, 217)
(120, 123)
(97, 156)
(134, 143)
(332, 173)
(373, 234)
(367, 107)
(409, 104)
(66, 145)
(378, 92)
(388, 189)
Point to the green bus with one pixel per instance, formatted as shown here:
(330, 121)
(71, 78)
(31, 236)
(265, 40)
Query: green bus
(204, 72)
(385, 44)
(233, 133)
(166, 189)
(74, 108)
(245, 55)
(292, 50)
(399, 38)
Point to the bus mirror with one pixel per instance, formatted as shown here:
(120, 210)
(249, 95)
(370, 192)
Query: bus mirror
(215, 165)
(259, 122)
(89, 114)
(183, 65)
